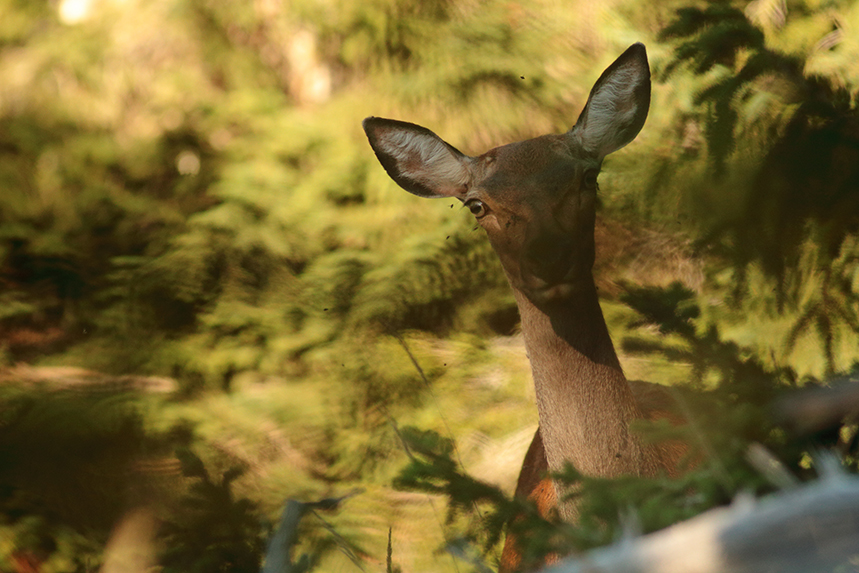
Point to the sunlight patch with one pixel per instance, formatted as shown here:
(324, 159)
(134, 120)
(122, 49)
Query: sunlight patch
(74, 11)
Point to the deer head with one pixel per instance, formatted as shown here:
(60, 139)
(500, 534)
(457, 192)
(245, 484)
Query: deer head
(536, 199)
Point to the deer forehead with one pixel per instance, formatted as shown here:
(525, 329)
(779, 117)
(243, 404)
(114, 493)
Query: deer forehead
(536, 172)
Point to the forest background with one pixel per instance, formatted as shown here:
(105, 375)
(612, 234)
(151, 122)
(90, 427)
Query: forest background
(213, 299)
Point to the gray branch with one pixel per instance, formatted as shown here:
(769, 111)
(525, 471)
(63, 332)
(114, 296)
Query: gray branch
(810, 529)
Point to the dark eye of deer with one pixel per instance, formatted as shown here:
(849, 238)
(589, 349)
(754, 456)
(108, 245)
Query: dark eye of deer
(590, 179)
(477, 208)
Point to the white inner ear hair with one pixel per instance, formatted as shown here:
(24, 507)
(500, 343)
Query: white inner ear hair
(610, 111)
(425, 159)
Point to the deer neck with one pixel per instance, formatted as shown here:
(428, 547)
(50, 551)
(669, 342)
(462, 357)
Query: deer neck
(584, 401)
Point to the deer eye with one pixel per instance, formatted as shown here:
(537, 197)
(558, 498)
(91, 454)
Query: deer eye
(590, 179)
(477, 207)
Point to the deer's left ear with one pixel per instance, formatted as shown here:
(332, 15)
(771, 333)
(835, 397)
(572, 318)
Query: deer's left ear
(617, 106)
(417, 159)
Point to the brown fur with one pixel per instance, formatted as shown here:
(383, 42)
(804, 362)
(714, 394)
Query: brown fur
(655, 402)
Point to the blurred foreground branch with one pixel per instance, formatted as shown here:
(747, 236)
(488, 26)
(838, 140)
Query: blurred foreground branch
(815, 528)
(278, 558)
(815, 409)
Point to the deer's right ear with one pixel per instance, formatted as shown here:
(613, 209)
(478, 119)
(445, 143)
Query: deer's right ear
(618, 104)
(417, 159)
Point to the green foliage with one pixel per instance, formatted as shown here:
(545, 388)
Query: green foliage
(201, 197)
(186, 192)
(817, 128)
(673, 311)
(432, 468)
(831, 307)
(428, 280)
(781, 135)
(211, 530)
(94, 437)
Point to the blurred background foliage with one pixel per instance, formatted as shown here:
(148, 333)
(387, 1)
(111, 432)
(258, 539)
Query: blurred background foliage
(187, 194)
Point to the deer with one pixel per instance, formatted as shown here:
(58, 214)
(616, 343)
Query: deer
(536, 201)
